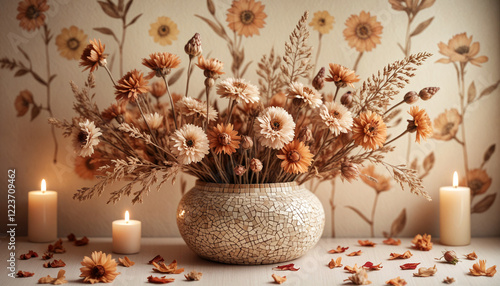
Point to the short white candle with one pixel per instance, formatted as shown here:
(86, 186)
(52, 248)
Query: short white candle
(42, 215)
(454, 211)
(126, 235)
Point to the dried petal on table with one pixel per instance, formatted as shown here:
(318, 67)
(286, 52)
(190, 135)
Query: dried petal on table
(392, 241)
(479, 269)
(156, 259)
(335, 263)
(426, 272)
(71, 237)
(370, 266)
(398, 281)
(350, 269)
(338, 250)
(24, 274)
(366, 243)
(278, 279)
(449, 280)
(81, 242)
(193, 276)
(169, 269)
(290, 267)
(125, 261)
(47, 255)
(471, 256)
(28, 255)
(160, 280)
(54, 264)
(355, 253)
(409, 266)
(405, 255)
(422, 242)
(56, 247)
(61, 279)
(359, 278)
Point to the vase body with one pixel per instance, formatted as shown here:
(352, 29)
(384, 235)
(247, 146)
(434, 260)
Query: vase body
(250, 224)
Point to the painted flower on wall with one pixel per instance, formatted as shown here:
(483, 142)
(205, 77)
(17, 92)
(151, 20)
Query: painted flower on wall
(23, 101)
(461, 49)
(378, 182)
(363, 31)
(446, 125)
(322, 22)
(246, 17)
(71, 43)
(164, 31)
(31, 14)
(479, 181)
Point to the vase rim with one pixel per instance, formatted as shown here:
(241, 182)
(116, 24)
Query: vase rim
(246, 186)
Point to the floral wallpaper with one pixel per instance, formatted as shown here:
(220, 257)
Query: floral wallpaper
(43, 41)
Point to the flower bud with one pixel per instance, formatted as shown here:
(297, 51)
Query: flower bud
(451, 257)
(193, 46)
(349, 170)
(246, 142)
(305, 134)
(255, 165)
(239, 170)
(346, 99)
(411, 97)
(428, 92)
(209, 82)
(318, 81)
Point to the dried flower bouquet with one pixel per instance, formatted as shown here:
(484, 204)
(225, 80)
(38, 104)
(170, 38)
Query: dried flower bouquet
(282, 131)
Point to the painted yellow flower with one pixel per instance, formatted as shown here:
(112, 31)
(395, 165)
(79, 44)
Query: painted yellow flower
(322, 22)
(164, 31)
(71, 43)
(363, 31)
(246, 17)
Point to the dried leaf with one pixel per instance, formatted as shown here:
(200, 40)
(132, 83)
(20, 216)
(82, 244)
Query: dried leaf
(172, 79)
(169, 269)
(425, 272)
(338, 250)
(392, 241)
(127, 7)
(366, 243)
(353, 269)
(398, 224)
(489, 89)
(290, 267)
(35, 111)
(125, 261)
(471, 92)
(106, 31)
(471, 256)
(211, 7)
(71, 237)
(479, 269)
(370, 266)
(24, 274)
(429, 162)
(134, 20)
(422, 242)
(484, 204)
(216, 28)
(21, 72)
(160, 280)
(156, 259)
(398, 281)
(421, 27)
(54, 264)
(449, 280)
(335, 263)
(355, 253)
(359, 213)
(409, 266)
(28, 255)
(110, 9)
(488, 154)
(405, 255)
(278, 279)
(81, 242)
(193, 276)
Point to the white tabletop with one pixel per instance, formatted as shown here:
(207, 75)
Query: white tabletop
(313, 265)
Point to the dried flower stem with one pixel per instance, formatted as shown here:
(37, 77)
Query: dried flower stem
(400, 135)
(110, 75)
(268, 158)
(172, 101)
(394, 106)
(336, 92)
(462, 113)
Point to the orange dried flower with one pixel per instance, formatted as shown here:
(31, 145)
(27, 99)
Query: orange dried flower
(398, 281)
(211, 67)
(421, 123)
(169, 269)
(290, 267)
(125, 261)
(355, 253)
(479, 269)
(160, 280)
(392, 241)
(338, 250)
(246, 17)
(366, 243)
(405, 255)
(93, 56)
(369, 130)
(353, 269)
(98, 268)
(296, 157)
(422, 242)
(335, 263)
(471, 256)
(278, 279)
(130, 86)
(160, 64)
(341, 76)
(31, 14)
(224, 139)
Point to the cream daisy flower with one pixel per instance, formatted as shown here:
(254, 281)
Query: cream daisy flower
(304, 95)
(98, 268)
(239, 90)
(189, 106)
(154, 120)
(274, 127)
(336, 117)
(86, 138)
(190, 144)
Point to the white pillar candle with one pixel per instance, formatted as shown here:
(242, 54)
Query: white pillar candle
(454, 214)
(126, 235)
(42, 215)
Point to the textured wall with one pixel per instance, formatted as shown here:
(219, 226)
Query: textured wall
(28, 146)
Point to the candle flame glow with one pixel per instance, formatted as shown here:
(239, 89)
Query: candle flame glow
(455, 179)
(44, 186)
(127, 216)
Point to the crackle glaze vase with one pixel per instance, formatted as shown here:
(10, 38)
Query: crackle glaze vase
(250, 224)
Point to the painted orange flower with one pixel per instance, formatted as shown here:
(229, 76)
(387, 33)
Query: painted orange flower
(461, 49)
(296, 157)
(363, 31)
(130, 86)
(421, 123)
(71, 43)
(23, 101)
(380, 184)
(479, 181)
(31, 14)
(446, 125)
(246, 17)
(224, 139)
(164, 31)
(341, 76)
(369, 130)
(322, 22)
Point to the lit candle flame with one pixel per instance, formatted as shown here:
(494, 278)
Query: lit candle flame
(455, 179)
(127, 216)
(44, 186)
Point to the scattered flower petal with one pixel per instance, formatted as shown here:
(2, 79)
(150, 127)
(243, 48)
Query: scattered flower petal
(398, 281)
(156, 259)
(409, 266)
(338, 250)
(24, 274)
(278, 279)
(47, 256)
(28, 255)
(290, 267)
(160, 280)
(366, 243)
(60, 279)
(353, 269)
(193, 276)
(425, 272)
(471, 256)
(54, 264)
(479, 269)
(81, 242)
(370, 266)
(392, 241)
(125, 261)
(56, 247)
(169, 269)
(359, 278)
(405, 255)
(355, 253)
(449, 280)
(71, 237)
(335, 263)
(422, 242)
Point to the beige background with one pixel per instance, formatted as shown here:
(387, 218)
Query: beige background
(27, 146)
